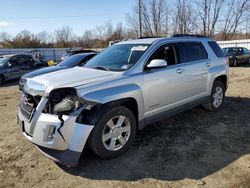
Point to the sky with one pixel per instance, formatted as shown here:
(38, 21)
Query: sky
(48, 15)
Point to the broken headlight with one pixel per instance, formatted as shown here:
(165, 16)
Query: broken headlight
(63, 101)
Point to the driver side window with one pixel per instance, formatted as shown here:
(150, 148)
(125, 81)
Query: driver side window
(166, 52)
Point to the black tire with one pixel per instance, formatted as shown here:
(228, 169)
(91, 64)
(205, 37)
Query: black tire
(105, 114)
(209, 106)
(2, 80)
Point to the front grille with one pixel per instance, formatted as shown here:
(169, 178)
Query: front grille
(28, 104)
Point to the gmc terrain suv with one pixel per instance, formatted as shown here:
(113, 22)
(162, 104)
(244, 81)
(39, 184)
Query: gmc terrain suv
(118, 92)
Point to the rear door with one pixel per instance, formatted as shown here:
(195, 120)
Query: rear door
(194, 65)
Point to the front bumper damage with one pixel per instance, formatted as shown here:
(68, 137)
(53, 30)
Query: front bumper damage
(61, 139)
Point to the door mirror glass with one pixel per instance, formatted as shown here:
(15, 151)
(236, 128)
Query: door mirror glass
(157, 63)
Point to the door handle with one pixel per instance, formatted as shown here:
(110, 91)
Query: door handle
(208, 64)
(179, 71)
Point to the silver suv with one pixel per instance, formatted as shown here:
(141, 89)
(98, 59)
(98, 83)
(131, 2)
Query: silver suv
(118, 92)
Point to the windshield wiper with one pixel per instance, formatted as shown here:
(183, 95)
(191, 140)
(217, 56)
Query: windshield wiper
(101, 68)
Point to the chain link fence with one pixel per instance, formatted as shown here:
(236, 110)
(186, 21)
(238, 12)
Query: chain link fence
(46, 54)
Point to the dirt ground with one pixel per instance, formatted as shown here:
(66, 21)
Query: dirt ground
(192, 149)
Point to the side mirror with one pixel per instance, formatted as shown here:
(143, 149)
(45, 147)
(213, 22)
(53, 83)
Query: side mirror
(157, 63)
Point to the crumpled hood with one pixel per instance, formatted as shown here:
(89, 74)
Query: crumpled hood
(72, 77)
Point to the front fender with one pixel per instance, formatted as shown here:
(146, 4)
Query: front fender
(116, 93)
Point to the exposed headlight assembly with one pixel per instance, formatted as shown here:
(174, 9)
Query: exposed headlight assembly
(63, 101)
(68, 104)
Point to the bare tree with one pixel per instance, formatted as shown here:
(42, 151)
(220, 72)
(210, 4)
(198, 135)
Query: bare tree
(4, 36)
(183, 19)
(45, 37)
(118, 32)
(209, 12)
(153, 18)
(104, 31)
(63, 36)
(234, 17)
(24, 39)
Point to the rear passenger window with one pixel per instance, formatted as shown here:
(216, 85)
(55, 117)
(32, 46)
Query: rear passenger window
(191, 51)
(216, 48)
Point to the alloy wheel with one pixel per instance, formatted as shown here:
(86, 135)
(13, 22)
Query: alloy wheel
(116, 133)
(218, 96)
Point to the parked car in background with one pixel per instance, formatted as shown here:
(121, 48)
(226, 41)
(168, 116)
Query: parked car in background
(237, 55)
(75, 51)
(15, 65)
(118, 92)
(75, 60)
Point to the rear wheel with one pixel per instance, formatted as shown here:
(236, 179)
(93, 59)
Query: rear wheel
(114, 132)
(216, 98)
(2, 80)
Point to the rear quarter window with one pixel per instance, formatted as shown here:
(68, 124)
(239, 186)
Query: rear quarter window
(191, 51)
(216, 48)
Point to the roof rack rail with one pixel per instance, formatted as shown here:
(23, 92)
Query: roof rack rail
(189, 35)
(150, 37)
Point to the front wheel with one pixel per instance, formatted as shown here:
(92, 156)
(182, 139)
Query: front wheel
(216, 98)
(113, 133)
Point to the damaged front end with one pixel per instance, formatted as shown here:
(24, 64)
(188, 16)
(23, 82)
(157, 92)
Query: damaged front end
(55, 123)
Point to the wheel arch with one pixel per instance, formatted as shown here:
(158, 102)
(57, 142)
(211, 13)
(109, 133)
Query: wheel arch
(223, 79)
(130, 103)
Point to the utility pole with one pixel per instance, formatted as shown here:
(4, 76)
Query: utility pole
(140, 22)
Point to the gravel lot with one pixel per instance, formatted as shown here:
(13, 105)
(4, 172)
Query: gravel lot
(192, 149)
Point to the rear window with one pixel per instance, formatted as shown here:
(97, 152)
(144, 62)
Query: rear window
(191, 51)
(216, 48)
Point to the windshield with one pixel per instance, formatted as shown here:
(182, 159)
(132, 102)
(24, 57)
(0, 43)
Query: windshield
(3, 60)
(119, 57)
(72, 61)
